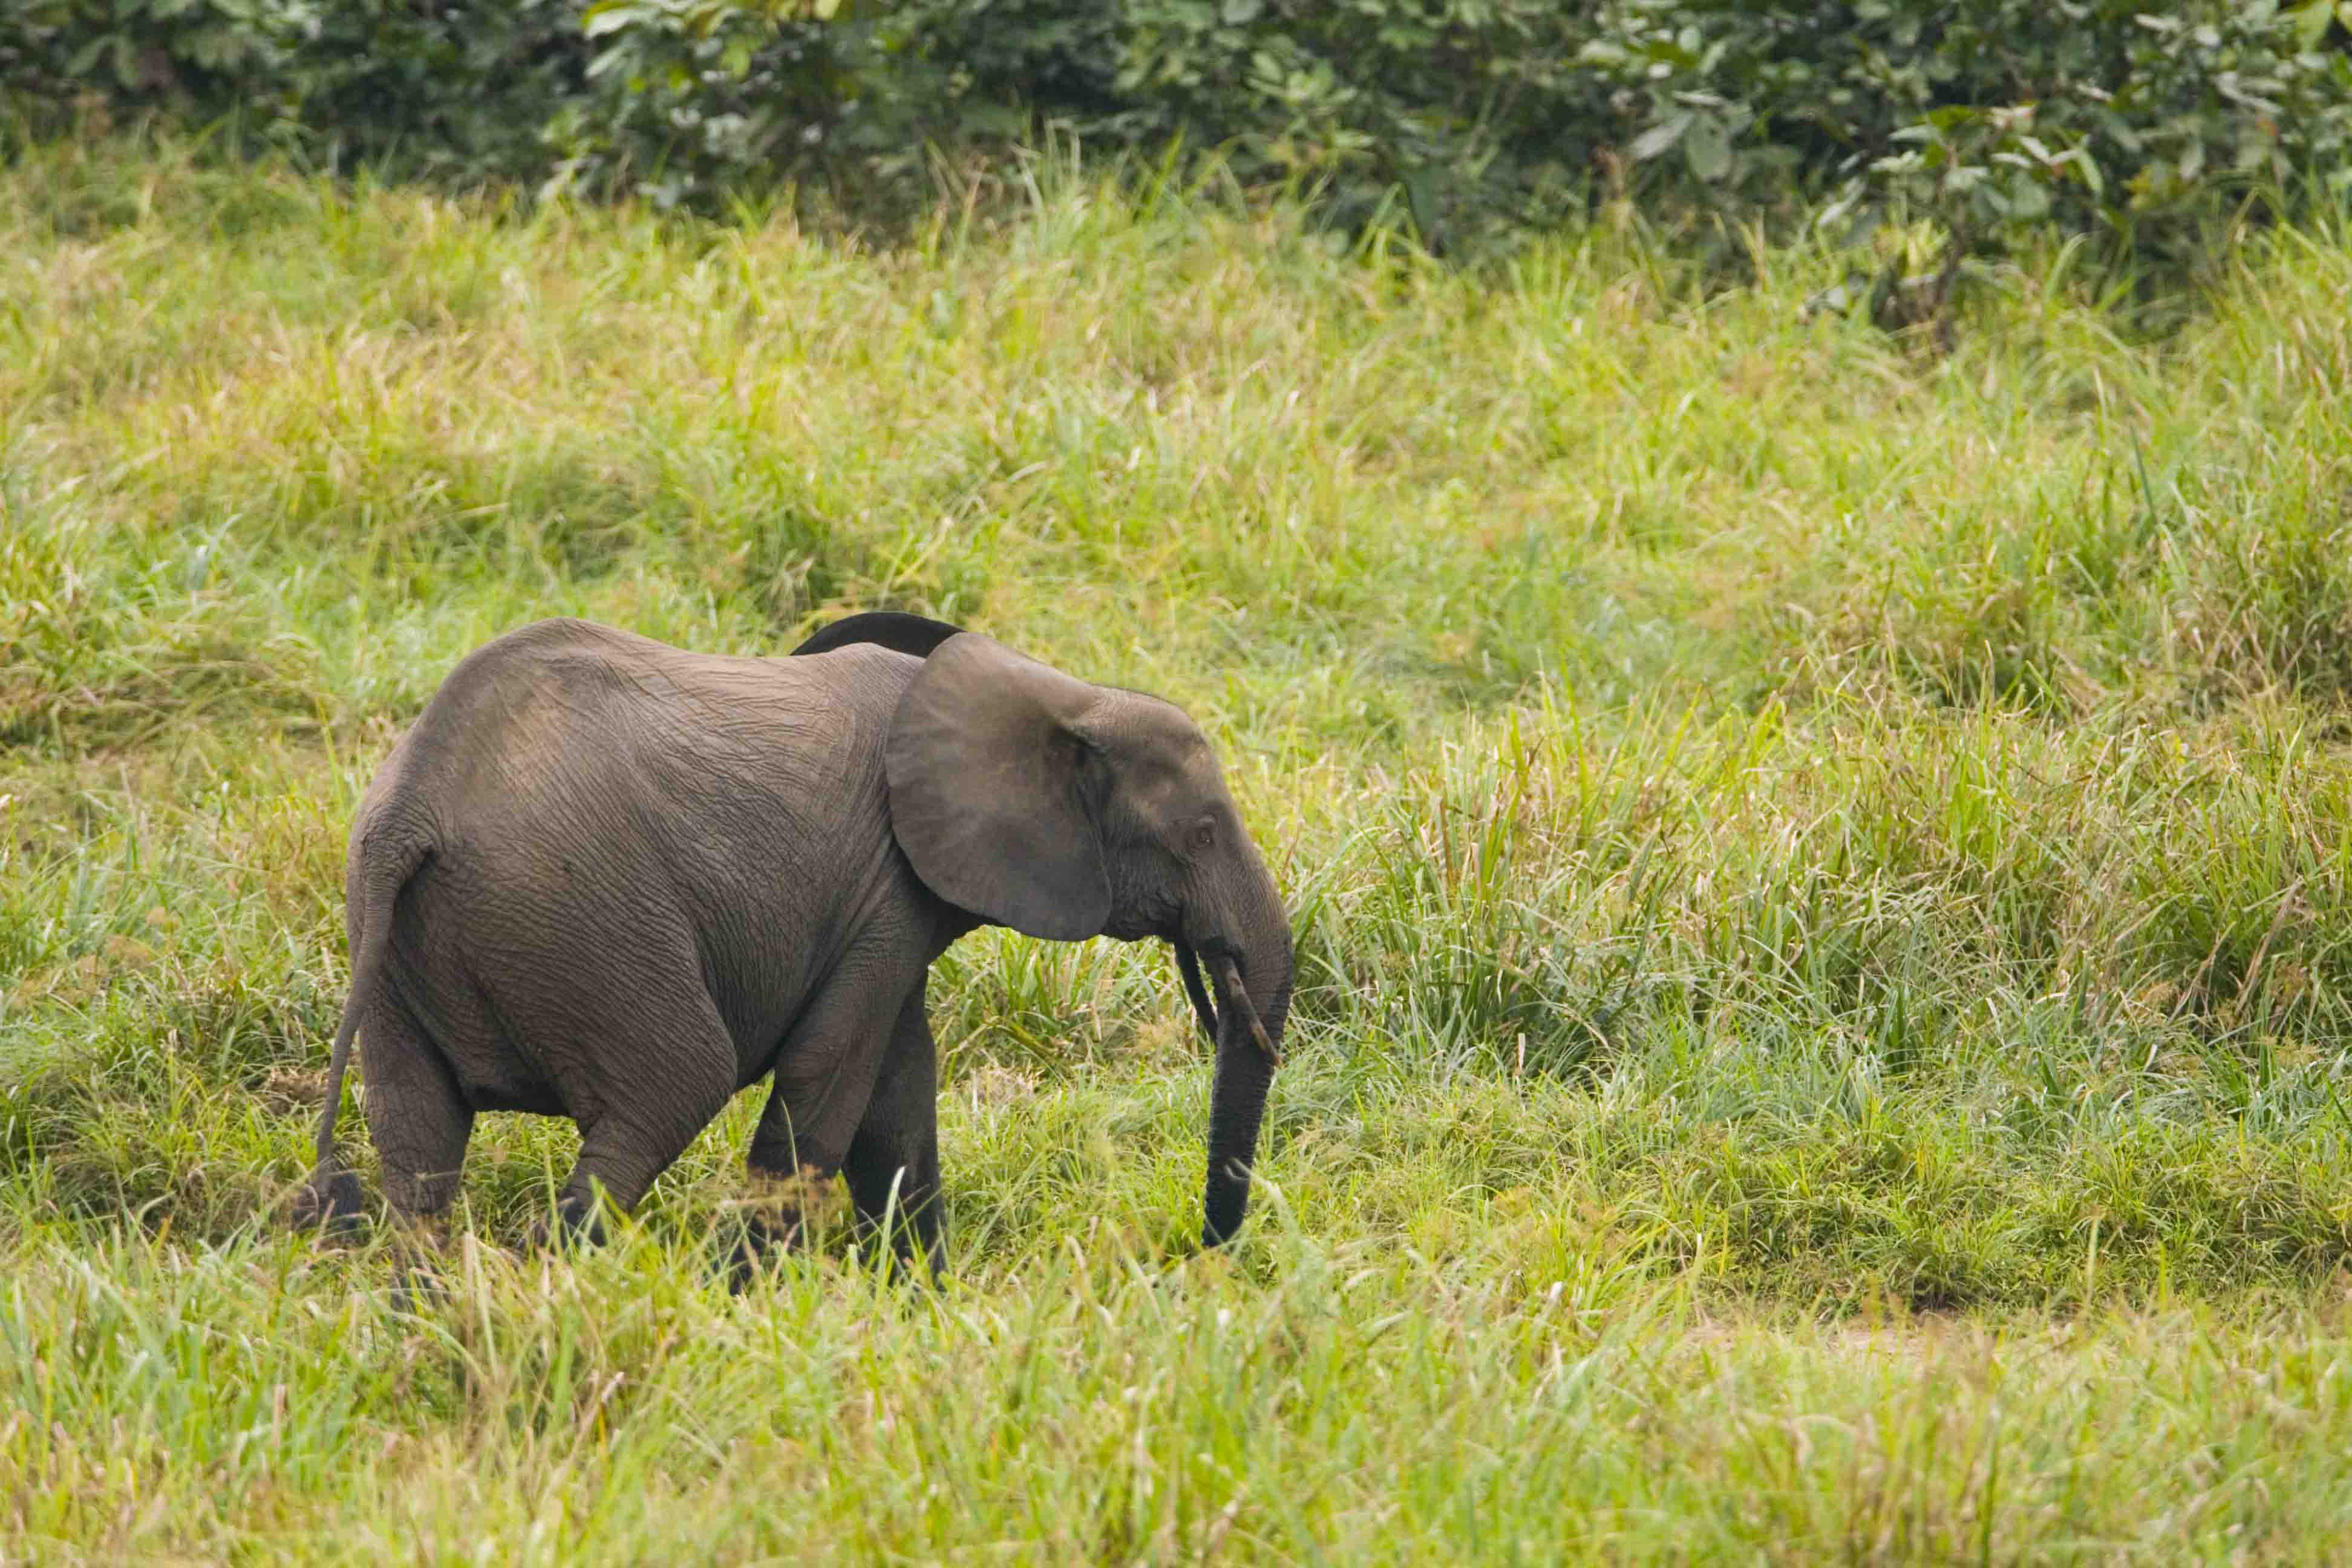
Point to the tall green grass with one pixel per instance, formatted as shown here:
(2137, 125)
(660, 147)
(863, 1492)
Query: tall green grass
(1822, 875)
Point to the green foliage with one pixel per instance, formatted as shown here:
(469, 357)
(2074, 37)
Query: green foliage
(203, 58)
(1457, 115)
(692, 97)
(1468, 120)
(672, 99)
(1997, 118)
(463, 89)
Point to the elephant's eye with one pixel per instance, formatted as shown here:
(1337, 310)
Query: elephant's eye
(1203, 834)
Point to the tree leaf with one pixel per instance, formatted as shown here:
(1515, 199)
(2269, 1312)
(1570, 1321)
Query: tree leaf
(1660, 138)
(610, 17)
(1708, 148)
(2311, 22)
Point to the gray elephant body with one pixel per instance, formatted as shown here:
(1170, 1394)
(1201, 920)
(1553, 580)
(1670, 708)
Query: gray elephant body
(611, 879)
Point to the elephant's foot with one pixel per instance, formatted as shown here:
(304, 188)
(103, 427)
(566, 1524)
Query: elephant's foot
(417, 1280)
(906, 1247)
(744, 1259)
(334, 1207)
(779, 1213)
(576, 1222)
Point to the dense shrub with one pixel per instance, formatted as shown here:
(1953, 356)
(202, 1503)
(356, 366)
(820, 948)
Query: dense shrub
(1466, 118)
(2105, 117)
(1462, 112)
(464, 89)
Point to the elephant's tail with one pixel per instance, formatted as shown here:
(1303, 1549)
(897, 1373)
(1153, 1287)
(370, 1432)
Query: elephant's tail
(333, 1195)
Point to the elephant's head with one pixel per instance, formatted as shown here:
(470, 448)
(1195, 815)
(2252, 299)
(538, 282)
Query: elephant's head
(1066, 810)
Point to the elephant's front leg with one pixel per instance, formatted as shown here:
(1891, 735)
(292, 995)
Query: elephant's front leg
(824, 1079)
(893, 1165)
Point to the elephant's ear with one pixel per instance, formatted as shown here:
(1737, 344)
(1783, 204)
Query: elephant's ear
(893, 629)
(988, 791)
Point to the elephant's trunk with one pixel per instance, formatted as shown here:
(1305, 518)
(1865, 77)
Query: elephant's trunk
(1254, 1002)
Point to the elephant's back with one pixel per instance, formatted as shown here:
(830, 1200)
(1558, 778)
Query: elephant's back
(568, 710)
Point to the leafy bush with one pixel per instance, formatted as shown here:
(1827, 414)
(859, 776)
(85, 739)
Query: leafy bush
(199, 59)
(694, 96)
(1994, 117)
(668, 99)
(1466, 112)
(463, 89)
(1471, 118)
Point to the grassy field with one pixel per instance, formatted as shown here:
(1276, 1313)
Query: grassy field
(1825, 883)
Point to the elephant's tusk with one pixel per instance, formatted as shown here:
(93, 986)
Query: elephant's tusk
(1189, 967)
(1237, 1000)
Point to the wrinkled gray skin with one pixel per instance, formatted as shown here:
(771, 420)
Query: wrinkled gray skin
(606, 879)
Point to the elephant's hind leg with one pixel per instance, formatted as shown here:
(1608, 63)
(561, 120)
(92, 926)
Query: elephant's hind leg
(416, 1118)
(420, 1124)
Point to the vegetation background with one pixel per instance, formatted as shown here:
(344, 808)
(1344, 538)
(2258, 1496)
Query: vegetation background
(1823, 854)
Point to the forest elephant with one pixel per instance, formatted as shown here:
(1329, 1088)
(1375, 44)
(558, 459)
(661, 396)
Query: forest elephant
(606, 878)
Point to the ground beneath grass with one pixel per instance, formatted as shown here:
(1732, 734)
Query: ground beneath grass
(1821, 876)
